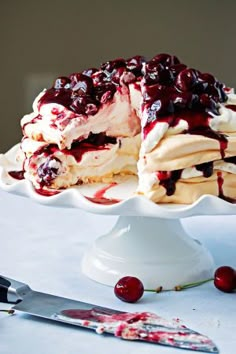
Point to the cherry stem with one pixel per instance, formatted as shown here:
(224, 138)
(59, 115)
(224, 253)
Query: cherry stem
(191, 285)
(10, 311)
(180, 287)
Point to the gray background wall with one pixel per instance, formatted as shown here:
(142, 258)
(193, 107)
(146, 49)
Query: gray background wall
(43, 39)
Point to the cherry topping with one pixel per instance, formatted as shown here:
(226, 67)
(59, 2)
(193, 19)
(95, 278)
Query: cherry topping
(166, 59)
(208, 78)
(89, 72)
(225, 279)
(99, 78)
(153, 67)
(62, 82)
(157, 73)
(182, 100)
(152, 91)
(81, 85)
(82, 104)
(209, 104)
(105, 92)
(128, 77)
(91, 109)
(116, 76)
(109, 66)
(177, 68)
(129, 289)
(186, 79)
(135, 64)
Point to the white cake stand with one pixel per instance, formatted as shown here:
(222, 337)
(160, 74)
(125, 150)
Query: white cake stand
(148, 241)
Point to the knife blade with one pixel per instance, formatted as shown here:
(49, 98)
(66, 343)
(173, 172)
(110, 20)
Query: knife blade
(143, 326)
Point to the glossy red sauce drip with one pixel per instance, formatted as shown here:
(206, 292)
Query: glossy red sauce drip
(62, 96)
(99, 196)
(231, 106)
(220, 182)
(17, 174)
(101, 192)
(206, 168)
(137, 86)
(168, 180)
(46, 193)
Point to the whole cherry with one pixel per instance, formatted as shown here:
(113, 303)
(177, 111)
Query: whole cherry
(225, 279)
(62, 82)
(129, 289)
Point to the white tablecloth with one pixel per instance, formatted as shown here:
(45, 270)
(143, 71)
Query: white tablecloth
(42, 246)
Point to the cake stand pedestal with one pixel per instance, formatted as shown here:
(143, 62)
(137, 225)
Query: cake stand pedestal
(156, 250)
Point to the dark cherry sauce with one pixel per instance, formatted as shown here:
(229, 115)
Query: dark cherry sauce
(17, 174)
(61, 96)
(220, 182)
(206, 168)
(230, 159)
(94, 142)
(168, 180)
(231, 106)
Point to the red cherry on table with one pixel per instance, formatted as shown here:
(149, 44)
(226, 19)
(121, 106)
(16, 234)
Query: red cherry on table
(225, 279)
(129, 289)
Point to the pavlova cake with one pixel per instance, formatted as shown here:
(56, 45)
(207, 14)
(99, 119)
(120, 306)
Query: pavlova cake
(173, 126)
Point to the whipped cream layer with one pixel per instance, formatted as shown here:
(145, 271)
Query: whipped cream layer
(56, 124)
(148, 180)
(188, 190)
(185, 150)
(49, 167)
(225, 122)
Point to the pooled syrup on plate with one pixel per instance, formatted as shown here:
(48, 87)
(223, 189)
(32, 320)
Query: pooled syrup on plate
(46, 193)
(99, 196)
(17, 174)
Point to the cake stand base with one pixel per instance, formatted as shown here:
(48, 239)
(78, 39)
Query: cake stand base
(157, 251)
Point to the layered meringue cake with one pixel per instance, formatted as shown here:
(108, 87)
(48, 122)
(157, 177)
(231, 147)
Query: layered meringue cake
(171, 125)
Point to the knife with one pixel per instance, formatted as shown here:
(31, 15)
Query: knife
(144, 326)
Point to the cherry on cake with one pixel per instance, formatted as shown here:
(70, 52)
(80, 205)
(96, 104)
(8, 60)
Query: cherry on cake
(171, 125)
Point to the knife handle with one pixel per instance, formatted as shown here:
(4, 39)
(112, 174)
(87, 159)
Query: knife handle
(12, 291)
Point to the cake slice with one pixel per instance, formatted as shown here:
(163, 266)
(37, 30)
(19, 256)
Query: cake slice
(95, 159)
(84, 129)
(94, 101)
(188, 134)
